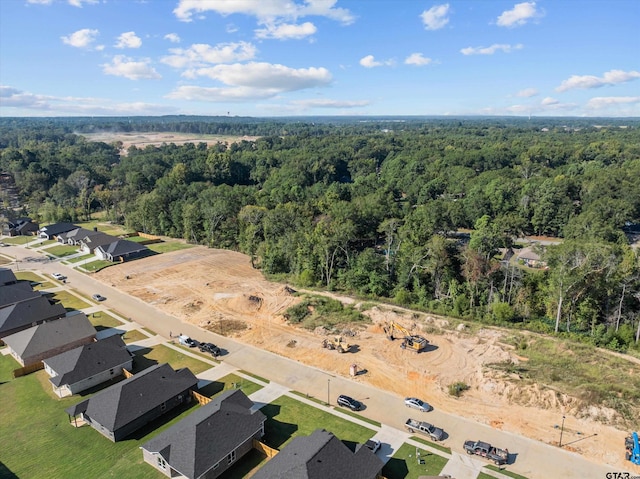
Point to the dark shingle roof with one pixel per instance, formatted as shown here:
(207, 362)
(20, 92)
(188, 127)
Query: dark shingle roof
(96, 239)
(208, 435)
(27, 312)
(120, 404)
(88, 360)
(57, 228)
(7, 276)
(14, 293)
(123, 247)
(320, 455)
(77, 234)
(50, 335)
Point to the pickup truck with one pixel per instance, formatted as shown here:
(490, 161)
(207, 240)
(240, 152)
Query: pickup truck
(186, 341)
(425, 428)
(486, 450)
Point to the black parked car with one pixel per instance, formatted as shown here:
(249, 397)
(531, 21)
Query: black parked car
(210, 348)
(346, 401)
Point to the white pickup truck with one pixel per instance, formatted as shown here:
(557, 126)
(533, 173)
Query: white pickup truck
(186, 341)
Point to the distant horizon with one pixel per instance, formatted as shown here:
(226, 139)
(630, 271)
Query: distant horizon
(300, 58)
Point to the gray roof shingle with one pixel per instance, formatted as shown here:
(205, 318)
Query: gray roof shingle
(28, 312)
(208, 435)
(7, 276)
(88, 360)
(320, 455)
(120, 404)
(14, 293)
(123, 247)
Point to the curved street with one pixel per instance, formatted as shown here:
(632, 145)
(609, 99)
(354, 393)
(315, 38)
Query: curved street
(533, 459)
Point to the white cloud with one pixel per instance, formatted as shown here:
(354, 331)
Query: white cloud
(436, 17)
(172, 37)
(265, 11)
(369, 62)
(217, 94)
(326, 103)
(201, 54)
(266, 76)
(81, 39)
(549, 101)
(286, 31)
(602, 102)
(122, 66)
(520, 15)
(13, 99)
(417, 59)
(40, 2)
(527, 93)
(78, 3)
(611, 77)
(128, 40)
(491, 50)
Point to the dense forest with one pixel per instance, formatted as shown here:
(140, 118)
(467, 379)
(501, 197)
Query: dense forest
(416, 211)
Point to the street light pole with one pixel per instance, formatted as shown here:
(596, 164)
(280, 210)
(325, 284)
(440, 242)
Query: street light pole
(328, 392)
(561, 431)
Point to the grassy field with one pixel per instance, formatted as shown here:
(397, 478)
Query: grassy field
(348, 412)
(162, 354)
(62, 250)
(230, 381)
(133, 336)
(404, 464)
(70, 301)
(168, 246)
(38, 441)
(435, 445)
(103, 320)
(80, 259)
(94, 266)
(581, 371)
(288, 418)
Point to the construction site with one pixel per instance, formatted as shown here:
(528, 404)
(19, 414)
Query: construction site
(404, 352)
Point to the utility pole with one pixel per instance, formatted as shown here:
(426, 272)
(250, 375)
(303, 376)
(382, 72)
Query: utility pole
(561, 431)
(328, 392)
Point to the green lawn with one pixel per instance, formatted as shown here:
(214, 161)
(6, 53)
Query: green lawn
(62, 250)
(435, 445)
(94, 266)
(103, 320)
(230, 381)
(288, 418)
(29, 276)
(70, 301)
(5, 260)
(168, 246)
(162, 354)
(18, 240)
(133, 336)
(404, 464)
(80, 259)
(38, 440)
(484, 475)
(348, 412)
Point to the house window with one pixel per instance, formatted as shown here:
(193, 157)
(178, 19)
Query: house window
(162, 464)
(163, 406)
(231, 457)
(111, 371)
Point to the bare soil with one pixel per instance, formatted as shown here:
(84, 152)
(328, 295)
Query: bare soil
(219, 290)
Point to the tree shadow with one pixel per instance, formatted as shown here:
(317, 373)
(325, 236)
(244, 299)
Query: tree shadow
(276, 433)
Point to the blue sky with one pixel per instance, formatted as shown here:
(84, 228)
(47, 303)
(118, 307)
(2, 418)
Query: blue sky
(319, 57)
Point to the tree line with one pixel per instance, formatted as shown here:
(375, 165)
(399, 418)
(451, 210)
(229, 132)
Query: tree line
(419, 212)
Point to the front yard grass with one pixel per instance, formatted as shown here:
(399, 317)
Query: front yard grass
(70, 301)
(405, 465)
(97, 265)
(168, 246)
(504, 471)
(79, 259)
(103, 320)
(162, 354)
(288, 418)
(133, 335)
(432, 444)
(38, 440)
(230, 381)
(62, 250)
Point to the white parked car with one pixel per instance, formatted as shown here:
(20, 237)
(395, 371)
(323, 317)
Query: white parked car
(373, 444)
(418, 404)
(58, 276)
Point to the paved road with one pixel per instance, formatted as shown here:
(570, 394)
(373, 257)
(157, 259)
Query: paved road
(531, 458)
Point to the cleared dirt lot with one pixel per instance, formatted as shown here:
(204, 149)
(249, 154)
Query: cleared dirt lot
(220, 291)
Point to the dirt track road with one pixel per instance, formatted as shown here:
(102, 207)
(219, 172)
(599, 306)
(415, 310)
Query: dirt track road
(534, 459)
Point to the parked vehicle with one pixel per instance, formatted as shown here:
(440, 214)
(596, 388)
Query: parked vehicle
(418, 404)
(373, 444)
(98, 297)
(349, 402)
(58, 276)
(186, 341)
(435, 433)
(632, 448)
(486, 450)
(210, 348)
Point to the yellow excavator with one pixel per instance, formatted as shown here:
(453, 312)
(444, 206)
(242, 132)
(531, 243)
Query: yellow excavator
(413, 342)
(336, 343)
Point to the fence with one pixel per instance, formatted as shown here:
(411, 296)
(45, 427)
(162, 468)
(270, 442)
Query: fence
(264, 449)
(28, 369)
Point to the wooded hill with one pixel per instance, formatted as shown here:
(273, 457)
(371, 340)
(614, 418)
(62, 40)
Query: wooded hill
(375, 207)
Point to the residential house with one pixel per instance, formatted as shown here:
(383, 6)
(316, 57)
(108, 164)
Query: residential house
(88, 365)
(50, 338)
(52, 231)
(530, 257)
(208, 441)
(89, 243)
(14, 293)
(321, 455)
(121, 250)
(7, 276)
(125, 407)
(28, 313)
(73, 237)
(21, 227)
